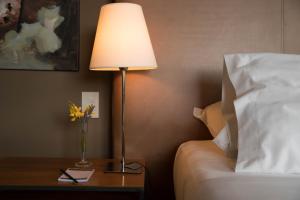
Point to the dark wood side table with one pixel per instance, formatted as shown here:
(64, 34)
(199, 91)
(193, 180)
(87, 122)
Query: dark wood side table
(36, 178)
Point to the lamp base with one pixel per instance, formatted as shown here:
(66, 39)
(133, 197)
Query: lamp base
(83, 164)
(130, 168)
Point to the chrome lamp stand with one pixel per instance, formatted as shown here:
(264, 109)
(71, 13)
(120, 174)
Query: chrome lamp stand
(116, 167)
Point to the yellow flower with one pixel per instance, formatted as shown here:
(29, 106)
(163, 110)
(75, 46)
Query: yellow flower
(76, 113)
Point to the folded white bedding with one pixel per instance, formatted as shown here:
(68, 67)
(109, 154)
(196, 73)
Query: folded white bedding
(203, 172)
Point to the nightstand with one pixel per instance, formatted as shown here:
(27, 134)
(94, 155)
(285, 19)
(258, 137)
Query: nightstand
(36, 178)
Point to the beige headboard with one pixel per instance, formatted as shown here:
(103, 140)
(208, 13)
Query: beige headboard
(189, 38)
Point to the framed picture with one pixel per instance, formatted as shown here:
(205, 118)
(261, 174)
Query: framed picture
(39, 34)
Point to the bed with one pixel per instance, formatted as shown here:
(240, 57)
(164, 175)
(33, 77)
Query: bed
(255, 150)
(203, 172)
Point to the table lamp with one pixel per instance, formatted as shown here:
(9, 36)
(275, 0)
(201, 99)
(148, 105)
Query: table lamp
(122, 43)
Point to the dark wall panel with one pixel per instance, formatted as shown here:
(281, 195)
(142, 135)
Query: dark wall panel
(291, 26)
(33, 104)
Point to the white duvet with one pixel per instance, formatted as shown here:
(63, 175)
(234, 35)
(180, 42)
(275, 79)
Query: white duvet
(203, 172)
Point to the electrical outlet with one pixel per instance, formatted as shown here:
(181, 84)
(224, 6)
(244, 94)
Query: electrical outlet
(89, 98)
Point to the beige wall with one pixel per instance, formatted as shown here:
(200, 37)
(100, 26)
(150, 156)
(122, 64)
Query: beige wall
(189, 38)
(33, 104)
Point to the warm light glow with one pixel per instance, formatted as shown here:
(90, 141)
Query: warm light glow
(122, 39)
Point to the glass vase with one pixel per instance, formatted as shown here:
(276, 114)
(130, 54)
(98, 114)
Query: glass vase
(83, 163)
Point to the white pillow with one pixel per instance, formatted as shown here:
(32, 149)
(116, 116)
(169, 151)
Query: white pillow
(230, 133)
(267, 106)
(227, 138)
(212, 117)
(223, 141)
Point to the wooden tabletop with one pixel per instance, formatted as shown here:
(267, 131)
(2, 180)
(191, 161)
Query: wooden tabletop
(42, 173)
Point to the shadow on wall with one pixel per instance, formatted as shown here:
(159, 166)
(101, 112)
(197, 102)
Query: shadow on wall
(155, 127)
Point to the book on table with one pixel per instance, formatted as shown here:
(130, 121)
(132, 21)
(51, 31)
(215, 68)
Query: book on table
(81, 175)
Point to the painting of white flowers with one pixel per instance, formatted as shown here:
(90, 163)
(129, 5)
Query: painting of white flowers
(39, 34)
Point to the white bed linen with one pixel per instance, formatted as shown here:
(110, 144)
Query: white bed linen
(267, 107)
(203, 172)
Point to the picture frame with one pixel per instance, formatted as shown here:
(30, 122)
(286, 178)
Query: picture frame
(40, 35)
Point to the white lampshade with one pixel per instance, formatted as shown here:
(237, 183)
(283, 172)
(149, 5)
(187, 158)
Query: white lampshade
(122, 39)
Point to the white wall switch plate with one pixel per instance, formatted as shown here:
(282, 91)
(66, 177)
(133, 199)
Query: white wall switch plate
(89, 98)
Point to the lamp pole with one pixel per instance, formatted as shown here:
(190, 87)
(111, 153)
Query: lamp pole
(123, 71)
